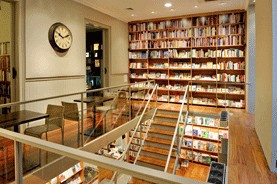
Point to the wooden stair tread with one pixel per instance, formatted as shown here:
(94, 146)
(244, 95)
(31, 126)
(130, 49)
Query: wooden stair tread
(151, 160)
(167, 116)
(155, 161)
(164, 123)
(155, 150)
(158, 140)
(159, 131)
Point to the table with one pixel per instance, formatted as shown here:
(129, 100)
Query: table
(14, 119)
(94, 100)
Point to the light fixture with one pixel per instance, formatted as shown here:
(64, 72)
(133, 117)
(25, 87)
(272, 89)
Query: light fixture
(195, 6)
(132, 15)
(222, 3)
(168, 5)
(152, 12)
(172, 9)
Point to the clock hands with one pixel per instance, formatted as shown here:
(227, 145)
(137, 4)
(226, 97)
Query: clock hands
(63, 36)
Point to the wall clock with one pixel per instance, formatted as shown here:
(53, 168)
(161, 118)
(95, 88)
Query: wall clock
(60, 37)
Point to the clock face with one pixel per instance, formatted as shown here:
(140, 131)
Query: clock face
(60, 37)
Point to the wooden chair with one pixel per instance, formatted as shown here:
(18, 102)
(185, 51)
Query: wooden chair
(119, 103)
(53, 122)
(71, 112)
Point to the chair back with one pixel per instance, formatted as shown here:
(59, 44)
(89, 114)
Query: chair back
(56, 114)
(120, 101)
(71, 111)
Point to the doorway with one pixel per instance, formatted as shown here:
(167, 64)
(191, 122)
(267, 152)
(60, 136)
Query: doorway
(95, 57)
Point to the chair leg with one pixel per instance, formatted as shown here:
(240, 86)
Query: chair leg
(78, 136)
(62, 136)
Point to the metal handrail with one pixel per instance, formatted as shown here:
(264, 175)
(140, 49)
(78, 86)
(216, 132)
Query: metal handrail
(136, 128)
(186, 94)
(91, 158)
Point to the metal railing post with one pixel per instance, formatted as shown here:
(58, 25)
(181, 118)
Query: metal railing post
(18, 162)
(82, 120)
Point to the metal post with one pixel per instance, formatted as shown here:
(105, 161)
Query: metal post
(18, 162)
(82, 120)
(130, 104)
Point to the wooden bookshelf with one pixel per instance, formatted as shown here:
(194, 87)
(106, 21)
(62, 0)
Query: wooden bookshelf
(5, 75)
(202, 139)
(206, 50)
(74, 175)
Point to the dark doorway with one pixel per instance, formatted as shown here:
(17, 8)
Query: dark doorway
(94, 57)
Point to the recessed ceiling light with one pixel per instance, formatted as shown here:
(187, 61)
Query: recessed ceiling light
(195, 6)
(254, 1)
(172, 9)
(167, 5)
(222, 3)
(132, 15)
(152, 12)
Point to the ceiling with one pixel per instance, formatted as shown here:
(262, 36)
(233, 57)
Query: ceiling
(148, 9)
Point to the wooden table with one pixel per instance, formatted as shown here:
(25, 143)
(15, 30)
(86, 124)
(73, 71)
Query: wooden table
(14, 119)
(94, 100)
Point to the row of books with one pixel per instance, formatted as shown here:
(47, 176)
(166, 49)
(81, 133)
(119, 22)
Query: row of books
(188, 33)
(138, 45)
(213, 88)
(197, 157)
(207, 65)
(187, 76)
(231, 29)
(202, 120)
(4, 48)
(224, 77)
(186, 65)
(5, 75)
(204, 77)
(139, 65)
(201, 145)
(204, 42)
(159, 65)
(231, 18)
(70, 172)
(5, 89)
(204, 101)
(230, 65)
(181, 75)
(207, 133)
(178, 44)
(188, 22)
(193, 53)
(180, 65)
(157, 75)
(231, 103)
(204, 31)
(230, 40)
(225, 65)
(4, 61)
(204, 21)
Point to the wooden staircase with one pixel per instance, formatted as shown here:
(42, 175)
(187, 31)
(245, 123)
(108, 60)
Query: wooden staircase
(157, 144)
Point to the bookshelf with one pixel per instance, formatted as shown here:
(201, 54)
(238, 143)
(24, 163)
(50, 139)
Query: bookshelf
(206, 52)
(74, 175)
(5, 75)
(202, 140)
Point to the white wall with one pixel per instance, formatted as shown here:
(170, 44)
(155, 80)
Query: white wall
(274, 88)
(250, 63)
(265, 106)
(42, 62)
(5, 22)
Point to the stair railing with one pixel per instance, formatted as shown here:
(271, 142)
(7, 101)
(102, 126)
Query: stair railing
(180, 120)
(136, 128)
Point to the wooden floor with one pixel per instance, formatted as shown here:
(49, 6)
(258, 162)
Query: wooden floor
(247, 164)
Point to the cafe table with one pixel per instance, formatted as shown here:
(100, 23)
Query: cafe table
(94, 101)
(16, 118)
